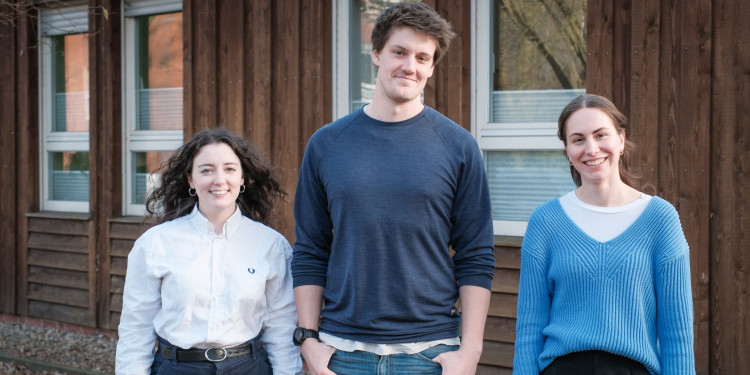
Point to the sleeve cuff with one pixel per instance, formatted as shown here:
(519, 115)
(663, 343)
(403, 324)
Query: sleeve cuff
(309, 280)
(482, 281)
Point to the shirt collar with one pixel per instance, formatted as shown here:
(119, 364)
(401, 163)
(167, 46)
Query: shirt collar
(203, 226)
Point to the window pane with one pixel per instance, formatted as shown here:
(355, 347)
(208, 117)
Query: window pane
(159, 72)
(539, 53)
(70, 83)
(69, 176)
(145, 173)
(362, 72)
(521, 180)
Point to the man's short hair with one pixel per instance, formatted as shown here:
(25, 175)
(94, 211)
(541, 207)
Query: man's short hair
(420, 17)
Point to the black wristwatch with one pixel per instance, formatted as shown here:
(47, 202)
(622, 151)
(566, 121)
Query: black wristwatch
(302, 334)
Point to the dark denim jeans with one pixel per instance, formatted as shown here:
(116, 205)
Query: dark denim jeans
(366, 363)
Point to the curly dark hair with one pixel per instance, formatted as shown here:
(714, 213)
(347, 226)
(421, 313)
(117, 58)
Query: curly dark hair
(170, 199)
(629, 176)
(420, 17)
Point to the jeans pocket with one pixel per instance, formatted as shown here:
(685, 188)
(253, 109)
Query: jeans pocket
(157, 363)
(430, 353)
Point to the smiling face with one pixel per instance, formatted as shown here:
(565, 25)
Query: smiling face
(594, 145)
(216, 177)
(404, 65)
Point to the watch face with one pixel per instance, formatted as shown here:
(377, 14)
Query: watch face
(301, 334)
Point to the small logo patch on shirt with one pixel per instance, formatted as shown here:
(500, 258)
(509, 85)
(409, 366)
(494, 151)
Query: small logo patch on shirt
(251, 270)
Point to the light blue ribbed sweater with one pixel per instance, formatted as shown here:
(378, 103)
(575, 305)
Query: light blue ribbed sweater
(629, 296)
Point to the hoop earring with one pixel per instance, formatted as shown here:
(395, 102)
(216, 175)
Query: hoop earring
(192, 192)
(242, 189)
(570, 162)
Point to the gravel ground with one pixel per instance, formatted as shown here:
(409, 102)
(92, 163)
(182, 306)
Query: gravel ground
(89, 352)
(16, 369)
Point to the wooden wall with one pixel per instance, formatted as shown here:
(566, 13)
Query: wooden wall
(60, 286)
(7, 164)
(105, 147)
(449, 89)
(19, 173)
(500, 329)
(258, 68)
(261, 69)
(678, 69)
(729, 183)
(123, 233)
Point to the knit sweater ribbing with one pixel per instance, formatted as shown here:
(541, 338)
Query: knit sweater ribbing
(630, 296)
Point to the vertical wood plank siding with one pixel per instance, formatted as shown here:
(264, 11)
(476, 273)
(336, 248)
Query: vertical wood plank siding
(19, 182)
(730, 188)
(8, 163)
(258, 91)
(286, 101)
(27, 180)
(685, 101)
(105, 156)
(449, 89)
(693, 146)
(644, 85)
(599, 47)
(263, 69)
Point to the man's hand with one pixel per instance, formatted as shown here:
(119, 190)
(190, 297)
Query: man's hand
(459, 362)
(317, 355)
(475, 303)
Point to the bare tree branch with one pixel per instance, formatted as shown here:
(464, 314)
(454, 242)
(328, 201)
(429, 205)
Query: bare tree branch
(533, 37)
(569, 26)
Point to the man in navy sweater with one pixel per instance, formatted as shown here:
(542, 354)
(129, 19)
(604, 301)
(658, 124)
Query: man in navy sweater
(384, 194)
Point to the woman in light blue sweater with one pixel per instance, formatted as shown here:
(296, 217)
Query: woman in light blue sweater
(605, 269)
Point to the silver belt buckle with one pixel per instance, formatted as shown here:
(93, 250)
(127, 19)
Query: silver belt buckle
(215, 359)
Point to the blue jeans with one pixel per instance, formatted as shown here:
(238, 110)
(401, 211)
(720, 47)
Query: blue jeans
(366, 363)
(251, 364)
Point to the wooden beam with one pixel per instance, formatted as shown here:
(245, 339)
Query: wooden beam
(8, 163)
(730, 187)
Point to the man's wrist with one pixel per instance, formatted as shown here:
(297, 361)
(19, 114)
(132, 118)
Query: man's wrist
(301, 334)
(474, 350)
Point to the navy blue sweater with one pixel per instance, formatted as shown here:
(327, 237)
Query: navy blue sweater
(379, 206)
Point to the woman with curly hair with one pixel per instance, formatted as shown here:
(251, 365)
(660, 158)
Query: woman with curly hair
(208, 290)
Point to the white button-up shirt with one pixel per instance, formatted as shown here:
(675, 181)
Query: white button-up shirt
(198, 289)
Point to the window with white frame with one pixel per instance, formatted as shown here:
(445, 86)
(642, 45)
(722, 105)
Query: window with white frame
(529, 62)
(64, 110)
(153, 94)
(354, 72)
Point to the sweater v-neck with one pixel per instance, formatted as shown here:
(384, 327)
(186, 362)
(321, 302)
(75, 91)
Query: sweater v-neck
(626, 233)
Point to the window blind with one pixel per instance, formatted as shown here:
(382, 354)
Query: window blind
(521, 180)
